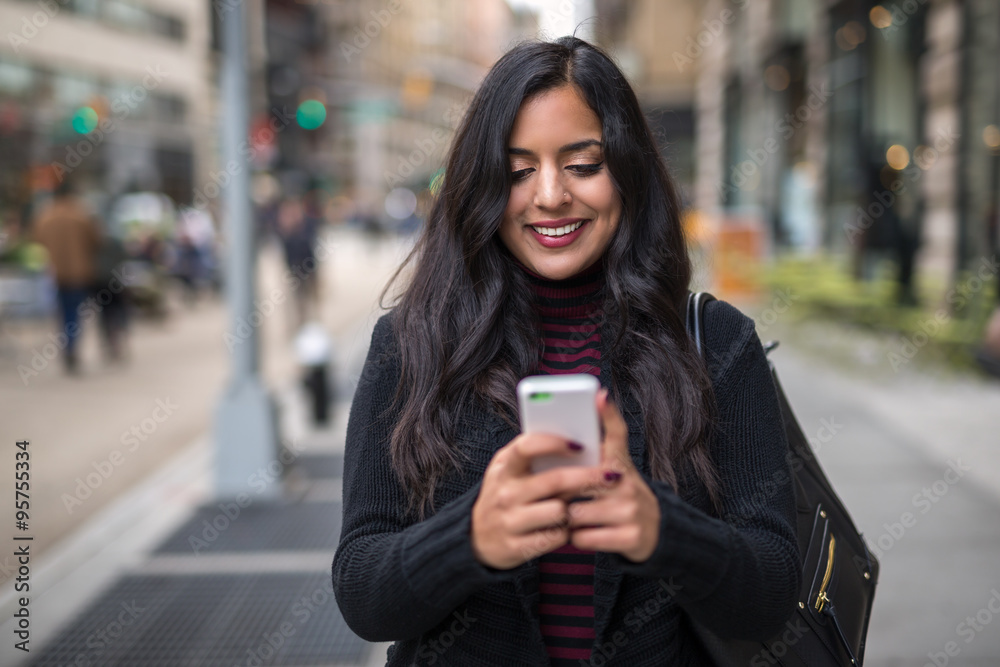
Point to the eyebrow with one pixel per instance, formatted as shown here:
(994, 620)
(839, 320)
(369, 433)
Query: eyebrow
(586, 143)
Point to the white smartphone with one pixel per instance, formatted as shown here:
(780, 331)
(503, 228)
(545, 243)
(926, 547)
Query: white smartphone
(564, 405)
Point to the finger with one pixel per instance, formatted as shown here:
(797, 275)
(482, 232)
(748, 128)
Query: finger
(614, 447)
(536, 516)
(541, 541)
(566, 482)
(528, 446)
(604, 510)
(610, 539)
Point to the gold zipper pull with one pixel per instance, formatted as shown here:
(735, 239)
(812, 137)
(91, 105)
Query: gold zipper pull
(821, 599)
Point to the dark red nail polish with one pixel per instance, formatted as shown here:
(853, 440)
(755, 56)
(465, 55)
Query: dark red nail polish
(612, 476)
(575, 446)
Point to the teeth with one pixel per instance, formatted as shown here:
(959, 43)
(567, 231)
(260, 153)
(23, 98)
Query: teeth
(558, 231)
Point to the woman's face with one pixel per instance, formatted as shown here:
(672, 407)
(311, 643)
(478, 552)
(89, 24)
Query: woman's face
(560, 181)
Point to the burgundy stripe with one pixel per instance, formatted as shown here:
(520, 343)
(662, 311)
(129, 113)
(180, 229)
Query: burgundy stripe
(545, 567)
(566, 589)
(552, 326)
(576, 346)
(593, 370)
(563, 357)
(570, 549)
(570, 653)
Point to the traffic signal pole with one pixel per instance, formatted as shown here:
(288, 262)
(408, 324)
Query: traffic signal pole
(246, 438)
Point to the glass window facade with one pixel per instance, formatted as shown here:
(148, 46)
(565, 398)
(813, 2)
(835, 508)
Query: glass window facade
(979, 175)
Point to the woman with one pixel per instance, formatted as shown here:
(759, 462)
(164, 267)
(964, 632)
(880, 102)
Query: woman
(450, 547)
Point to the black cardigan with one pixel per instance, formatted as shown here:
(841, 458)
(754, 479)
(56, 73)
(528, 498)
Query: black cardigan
(419, 584)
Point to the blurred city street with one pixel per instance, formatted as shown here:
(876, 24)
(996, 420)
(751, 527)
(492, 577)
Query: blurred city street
(201, 202)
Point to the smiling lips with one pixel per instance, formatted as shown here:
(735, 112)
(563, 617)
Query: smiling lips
(557, 228)
(558, 233)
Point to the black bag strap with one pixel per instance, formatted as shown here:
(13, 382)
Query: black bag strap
(724, 653)
(695, 318)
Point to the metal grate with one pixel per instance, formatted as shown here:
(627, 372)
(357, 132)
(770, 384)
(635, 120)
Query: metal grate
(230, 621)
(258, 527)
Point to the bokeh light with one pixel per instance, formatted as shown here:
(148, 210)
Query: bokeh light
(991, 136)
(437, 180)
(400, 203)
(311, 114)
(777, 77)
(84, 120)
(897, 157)
(880, 17)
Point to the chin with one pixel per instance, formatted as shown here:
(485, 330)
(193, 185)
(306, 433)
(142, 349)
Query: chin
(556, 269)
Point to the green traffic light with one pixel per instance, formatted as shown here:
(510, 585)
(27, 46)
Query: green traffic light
(84, 120)
(311, 114)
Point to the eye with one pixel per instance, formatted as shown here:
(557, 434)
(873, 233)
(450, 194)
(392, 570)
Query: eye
(587, 169)
(520, 174)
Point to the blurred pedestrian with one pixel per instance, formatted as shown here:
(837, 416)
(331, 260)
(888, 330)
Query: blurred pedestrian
(297, 232)
(555, 246)
(72, 237)
(110, 293)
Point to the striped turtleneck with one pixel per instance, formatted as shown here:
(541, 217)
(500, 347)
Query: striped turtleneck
(570, 312)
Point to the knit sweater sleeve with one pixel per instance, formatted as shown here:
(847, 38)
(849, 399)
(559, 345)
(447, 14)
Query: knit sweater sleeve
(395, 579)
(737, 575)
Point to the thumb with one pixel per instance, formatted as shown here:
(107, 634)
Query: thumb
(614, 446)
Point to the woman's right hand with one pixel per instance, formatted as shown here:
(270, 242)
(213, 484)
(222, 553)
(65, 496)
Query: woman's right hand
(519, 515)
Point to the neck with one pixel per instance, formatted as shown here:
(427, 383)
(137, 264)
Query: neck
(577, 296)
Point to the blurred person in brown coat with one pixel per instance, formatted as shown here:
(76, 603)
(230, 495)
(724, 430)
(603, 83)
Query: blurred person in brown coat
(72, 238)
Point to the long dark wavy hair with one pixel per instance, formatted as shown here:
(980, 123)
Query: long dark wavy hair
(466, 324)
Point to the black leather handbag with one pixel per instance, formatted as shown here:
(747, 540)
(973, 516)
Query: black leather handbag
(839, 573)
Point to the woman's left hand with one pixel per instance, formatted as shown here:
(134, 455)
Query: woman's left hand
(623, 517)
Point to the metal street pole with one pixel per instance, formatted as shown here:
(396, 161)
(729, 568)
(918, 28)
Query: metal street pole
(246, 435)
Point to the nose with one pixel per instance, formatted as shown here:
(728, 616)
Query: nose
(550, 190)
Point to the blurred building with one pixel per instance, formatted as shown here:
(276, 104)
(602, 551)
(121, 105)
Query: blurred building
(643, 36)
(386, 81)
(115, 94)
(834, 123)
